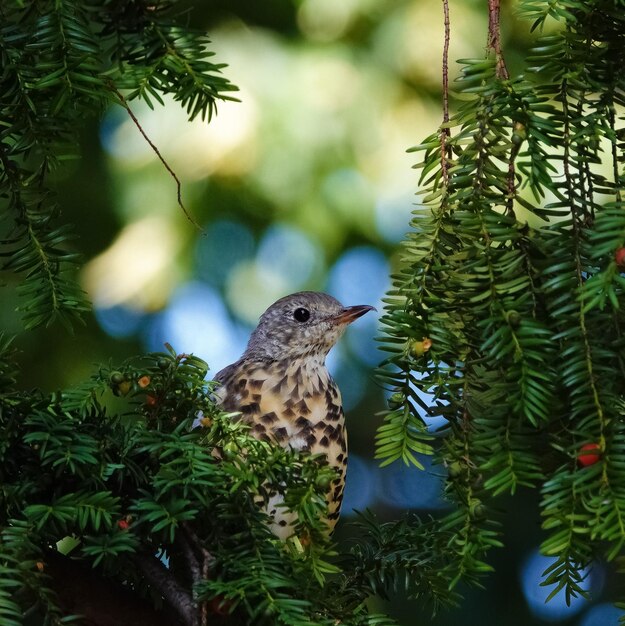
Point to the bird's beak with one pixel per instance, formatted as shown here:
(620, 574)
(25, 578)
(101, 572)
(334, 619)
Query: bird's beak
(351, 313)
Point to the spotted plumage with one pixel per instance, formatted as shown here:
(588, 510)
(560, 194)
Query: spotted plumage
(282, 388)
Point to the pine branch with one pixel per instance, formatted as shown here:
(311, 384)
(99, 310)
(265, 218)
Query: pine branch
(61, 64)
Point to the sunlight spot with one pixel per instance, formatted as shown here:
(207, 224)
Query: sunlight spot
(137, 269)
(289, 253)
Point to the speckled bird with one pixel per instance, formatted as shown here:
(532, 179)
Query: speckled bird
(282, 388)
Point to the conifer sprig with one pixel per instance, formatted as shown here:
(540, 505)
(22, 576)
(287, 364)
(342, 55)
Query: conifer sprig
(138, 462)
(59, 62)
(513, 272)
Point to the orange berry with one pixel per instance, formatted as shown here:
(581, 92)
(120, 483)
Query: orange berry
(144, 381)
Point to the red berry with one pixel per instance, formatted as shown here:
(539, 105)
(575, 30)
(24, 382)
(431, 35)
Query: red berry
(150, 400)
(619, 257)
(123, 524)
(589, 454)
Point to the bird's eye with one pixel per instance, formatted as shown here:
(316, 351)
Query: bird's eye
(301, 315)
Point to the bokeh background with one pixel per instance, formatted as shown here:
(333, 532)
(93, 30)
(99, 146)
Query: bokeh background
(303, 184)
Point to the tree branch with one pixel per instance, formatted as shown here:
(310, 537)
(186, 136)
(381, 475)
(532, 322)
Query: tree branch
(100, 601)
(162, 580)
(199, 571)
(193, 564)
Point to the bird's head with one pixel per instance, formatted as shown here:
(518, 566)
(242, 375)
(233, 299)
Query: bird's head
(304, 324)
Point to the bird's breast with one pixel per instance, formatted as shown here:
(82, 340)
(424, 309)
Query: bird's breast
(295, 403)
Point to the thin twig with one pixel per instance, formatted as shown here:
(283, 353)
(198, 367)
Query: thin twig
(501, 71)
(614, 149)
(494, 39)
(123, 102)
(445, 132)
(511, 183)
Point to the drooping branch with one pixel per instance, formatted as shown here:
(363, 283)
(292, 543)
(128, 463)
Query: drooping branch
(445, 132)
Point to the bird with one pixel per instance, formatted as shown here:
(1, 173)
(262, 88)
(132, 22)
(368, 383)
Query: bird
(282, 389)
